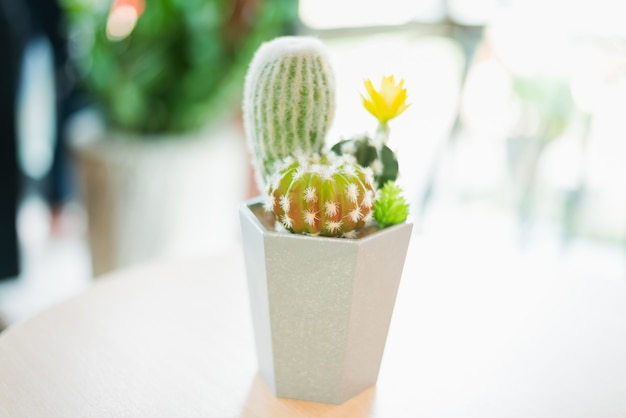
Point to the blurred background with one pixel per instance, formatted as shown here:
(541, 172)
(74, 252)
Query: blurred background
(124, 117)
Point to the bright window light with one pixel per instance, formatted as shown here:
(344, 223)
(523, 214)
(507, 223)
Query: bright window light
(331, 14)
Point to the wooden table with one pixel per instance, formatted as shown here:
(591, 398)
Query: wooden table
(469, 338)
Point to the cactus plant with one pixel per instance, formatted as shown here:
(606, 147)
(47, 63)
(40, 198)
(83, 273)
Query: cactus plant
(289, 101)
(384, 104)
(381, 159)
(391, 207)
(328, 196)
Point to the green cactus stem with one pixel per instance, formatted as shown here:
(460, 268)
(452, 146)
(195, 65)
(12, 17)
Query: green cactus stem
(381, 159)
(329, 196)
(289, 101)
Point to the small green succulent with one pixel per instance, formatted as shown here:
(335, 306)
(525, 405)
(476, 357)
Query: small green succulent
(391, 207)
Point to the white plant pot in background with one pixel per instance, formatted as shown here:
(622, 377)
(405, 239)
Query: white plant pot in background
(321, 307)
(162, 196)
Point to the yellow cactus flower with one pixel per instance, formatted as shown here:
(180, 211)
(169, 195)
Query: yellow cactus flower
(388, 102)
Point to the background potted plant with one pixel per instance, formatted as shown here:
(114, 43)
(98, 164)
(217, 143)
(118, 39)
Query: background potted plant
(323, 268)
(163, 75)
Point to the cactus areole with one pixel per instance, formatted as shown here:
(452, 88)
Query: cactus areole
(289, 101)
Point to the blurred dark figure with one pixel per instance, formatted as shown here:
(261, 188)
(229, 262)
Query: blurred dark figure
(20, 22)
(47, 20)
(13, 29)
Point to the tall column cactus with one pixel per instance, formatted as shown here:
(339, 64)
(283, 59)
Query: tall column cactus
(289, 102)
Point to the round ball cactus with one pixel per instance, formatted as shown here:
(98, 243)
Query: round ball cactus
(289, 101)
(329, 196)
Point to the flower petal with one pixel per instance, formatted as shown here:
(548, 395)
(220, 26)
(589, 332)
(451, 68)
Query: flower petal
(387, 102)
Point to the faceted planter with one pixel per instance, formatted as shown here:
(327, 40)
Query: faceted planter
(321, 307)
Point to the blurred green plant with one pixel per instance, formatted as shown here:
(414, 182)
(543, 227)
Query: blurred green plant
(183, 62)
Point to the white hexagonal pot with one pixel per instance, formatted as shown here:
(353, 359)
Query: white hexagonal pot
(321, 307)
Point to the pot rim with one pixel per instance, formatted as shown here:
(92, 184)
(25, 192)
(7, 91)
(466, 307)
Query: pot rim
(258, 200)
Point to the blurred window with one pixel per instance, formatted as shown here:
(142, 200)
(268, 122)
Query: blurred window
(357, 13)
(347, 14)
